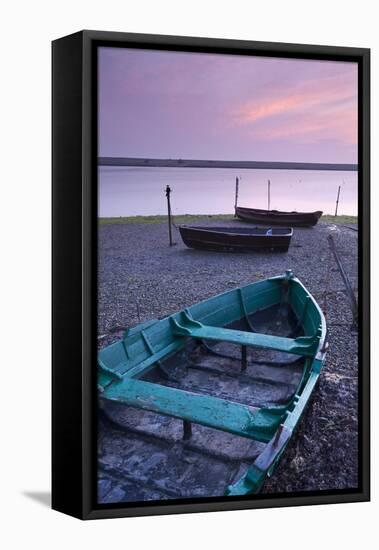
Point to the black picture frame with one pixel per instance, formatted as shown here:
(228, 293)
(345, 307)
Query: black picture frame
(74, 204)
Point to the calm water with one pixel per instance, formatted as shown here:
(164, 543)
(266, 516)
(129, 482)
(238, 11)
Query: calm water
(132, 191)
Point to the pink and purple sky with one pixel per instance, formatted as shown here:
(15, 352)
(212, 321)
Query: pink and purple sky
(158, 104)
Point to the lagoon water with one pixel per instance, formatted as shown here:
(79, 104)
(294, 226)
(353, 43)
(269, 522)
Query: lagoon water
(139, 191)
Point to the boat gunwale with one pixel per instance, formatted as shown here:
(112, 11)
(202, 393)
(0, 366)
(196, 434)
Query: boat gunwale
(205, 229)
(294, 213)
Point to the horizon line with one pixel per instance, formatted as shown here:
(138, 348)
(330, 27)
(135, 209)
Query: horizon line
(248, 164)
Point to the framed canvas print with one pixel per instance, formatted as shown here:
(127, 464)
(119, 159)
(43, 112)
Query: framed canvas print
(210, 274)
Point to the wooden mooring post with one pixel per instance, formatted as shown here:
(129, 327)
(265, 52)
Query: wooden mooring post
(268, 194)
(337, 201)
(187, 430)
(236, 197)
(168, 191)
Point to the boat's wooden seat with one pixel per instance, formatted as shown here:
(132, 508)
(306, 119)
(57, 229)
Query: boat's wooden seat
(130, 370)
(259, 424)
(304, 345)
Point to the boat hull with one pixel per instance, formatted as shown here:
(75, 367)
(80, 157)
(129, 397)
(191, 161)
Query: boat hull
(276, 217)
(226, 239)
(184, 368)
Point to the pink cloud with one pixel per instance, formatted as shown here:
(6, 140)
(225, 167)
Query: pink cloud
(341, 126)
(265, 108)
(318, 109)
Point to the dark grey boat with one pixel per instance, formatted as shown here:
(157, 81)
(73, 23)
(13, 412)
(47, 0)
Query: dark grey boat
(276, 217)
(236, 239)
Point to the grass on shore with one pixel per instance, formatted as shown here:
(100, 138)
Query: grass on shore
(189, 218)
(339, 219)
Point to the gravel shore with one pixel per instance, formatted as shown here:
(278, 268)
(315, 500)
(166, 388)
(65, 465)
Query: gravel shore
(141, 277)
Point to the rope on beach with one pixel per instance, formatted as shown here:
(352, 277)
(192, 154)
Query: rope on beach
(349, 227)
(327, 284)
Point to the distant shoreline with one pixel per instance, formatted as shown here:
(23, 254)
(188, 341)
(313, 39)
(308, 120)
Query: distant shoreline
(238, 164)
(189, 218)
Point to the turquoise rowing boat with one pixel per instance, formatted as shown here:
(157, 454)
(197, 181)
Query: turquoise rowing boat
(235, 371)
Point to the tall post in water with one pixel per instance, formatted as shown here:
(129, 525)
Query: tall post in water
(168, 191)
(268, 194)
(236, 198)
(337, 201)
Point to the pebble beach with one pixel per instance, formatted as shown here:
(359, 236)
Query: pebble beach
(140, 277)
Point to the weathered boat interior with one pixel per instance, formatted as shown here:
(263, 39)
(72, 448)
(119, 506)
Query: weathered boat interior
(205, 401)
